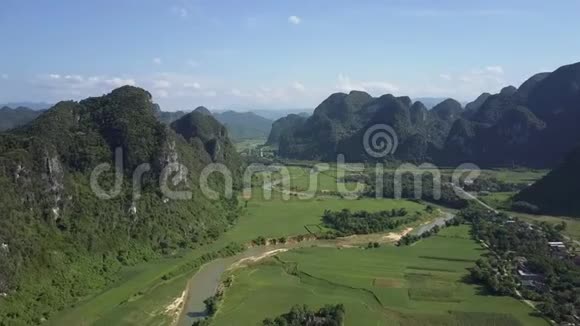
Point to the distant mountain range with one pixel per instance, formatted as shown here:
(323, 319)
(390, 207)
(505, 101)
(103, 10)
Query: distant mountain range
(31, 105)
(275, 114)
(429, 102)
(245, 125)
(240, 125)
(12, 118)
(532, 125)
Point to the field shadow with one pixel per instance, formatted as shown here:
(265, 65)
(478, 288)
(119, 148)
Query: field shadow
(199, 314)
(480, 289)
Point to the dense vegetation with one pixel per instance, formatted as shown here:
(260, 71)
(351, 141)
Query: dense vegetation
(330, 315)
(533, 125)
(491, 184)
(363, 222)
(283, 127)
(339, 123)
(515, 246)
(59, 241)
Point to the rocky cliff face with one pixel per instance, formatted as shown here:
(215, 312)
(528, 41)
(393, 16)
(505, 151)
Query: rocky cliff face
(339, 124)
(530, 126)
(534, 125)
(283, 128)
(56, 226)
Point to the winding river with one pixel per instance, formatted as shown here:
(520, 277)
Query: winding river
(205, 282)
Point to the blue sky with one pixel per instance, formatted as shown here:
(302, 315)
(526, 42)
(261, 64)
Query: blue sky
(276, 53)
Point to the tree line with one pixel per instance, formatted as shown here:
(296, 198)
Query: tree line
(347, 222)
(517, 245)
(302, 315)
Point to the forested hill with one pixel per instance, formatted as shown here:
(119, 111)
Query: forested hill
(240, 125)
(532, 125)
(339, 123)
(557, 193)
(59, 241)
(283, 126)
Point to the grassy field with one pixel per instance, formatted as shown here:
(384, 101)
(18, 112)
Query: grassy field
(276, 218)
(327, 180)
(416, 285)
(141, 295)
(138, 298)
(508, 175)
(304, 178)
(526, 176)
(499, 200)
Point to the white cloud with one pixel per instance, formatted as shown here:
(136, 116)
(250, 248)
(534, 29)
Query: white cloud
(236, 92)
(445, 76)
(298, 86)
(194, 85)
(66, 86)
(157, 61)
(118, 82)
(490, 75)
(345, 84)
(294, 20)
(210, 94)
(494, 69)
(75, 78)
(462, 85)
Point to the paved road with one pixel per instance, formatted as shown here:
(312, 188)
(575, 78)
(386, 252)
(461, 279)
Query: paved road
(472, 197)
(437, 222)
(464, 193)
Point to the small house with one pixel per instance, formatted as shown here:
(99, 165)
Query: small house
(528, 276)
